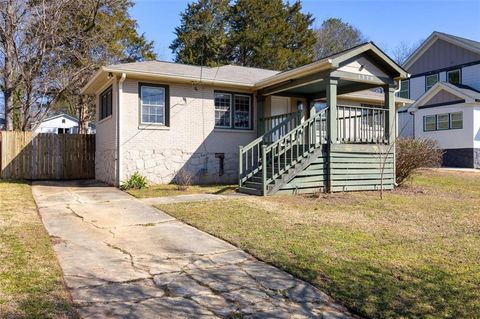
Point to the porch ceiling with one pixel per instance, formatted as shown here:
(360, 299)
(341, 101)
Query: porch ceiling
(318, 89)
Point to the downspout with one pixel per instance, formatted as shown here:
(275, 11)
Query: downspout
(396, 133)
(119, 129)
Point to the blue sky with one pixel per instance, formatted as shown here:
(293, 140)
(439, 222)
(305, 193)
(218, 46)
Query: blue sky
(386, 22)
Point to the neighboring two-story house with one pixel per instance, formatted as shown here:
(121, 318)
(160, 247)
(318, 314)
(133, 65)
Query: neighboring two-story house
(445, 84)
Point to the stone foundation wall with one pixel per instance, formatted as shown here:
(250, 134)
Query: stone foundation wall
(162, 166)
(105, 166)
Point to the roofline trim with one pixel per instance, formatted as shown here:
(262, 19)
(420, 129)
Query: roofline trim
(430, 41)
(437, 88)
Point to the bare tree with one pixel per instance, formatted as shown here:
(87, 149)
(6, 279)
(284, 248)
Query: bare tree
(49, 49)
(334, 36)
(404, 50)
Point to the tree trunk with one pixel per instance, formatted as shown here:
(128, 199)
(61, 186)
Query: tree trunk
(8, 76)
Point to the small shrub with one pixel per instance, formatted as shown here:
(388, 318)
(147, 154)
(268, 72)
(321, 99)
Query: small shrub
(412, 154)
(136, 181)
(183, 180)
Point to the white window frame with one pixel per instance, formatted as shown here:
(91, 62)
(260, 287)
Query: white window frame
(250, 106)
(232, 96)
(461, 121)
(459, 76)
(145, 85)
(229, 111)
(426, 81)
(407, 82)
(425, 123)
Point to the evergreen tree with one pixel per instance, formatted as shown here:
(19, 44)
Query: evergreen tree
(264, 34)
(202, 34)
(271, 34)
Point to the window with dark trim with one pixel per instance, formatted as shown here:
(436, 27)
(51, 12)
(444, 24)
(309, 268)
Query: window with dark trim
(404, 89)
(233, 110)
(441, 122)
(429, 123)
(105, 103)
(154, 104)
(456, 120)
(454, 76)
(430, 81)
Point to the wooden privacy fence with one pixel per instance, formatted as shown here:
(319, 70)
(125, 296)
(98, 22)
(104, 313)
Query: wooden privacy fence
(25, 155)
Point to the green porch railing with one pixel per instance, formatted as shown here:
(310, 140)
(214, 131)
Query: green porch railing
(250, 161)
(294, 146)
(361, 124)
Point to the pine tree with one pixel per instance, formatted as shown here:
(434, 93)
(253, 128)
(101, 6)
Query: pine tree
(202, 35)
(264, 34)
(271, 34)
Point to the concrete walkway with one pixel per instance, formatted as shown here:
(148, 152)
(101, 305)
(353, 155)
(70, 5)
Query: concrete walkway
(124, 259)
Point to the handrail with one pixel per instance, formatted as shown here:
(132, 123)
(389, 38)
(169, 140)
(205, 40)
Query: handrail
(250, 155)
(360, 124)
(291, 148)
(269, 121)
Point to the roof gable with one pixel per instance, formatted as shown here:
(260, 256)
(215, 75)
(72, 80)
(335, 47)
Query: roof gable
(443, 97)
(443, 93)
(375, 55)
(442, 50)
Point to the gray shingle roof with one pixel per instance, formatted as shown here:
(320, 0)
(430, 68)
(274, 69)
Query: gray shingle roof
(228, 73)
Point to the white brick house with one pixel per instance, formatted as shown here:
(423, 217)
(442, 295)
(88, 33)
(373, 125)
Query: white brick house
(176, 117)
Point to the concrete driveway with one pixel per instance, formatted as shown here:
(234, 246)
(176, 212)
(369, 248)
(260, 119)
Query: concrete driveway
(124, 259)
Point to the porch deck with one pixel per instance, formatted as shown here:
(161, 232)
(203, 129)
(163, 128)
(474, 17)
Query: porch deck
(331, 149)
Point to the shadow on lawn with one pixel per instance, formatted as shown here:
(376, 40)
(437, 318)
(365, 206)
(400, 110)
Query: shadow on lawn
(395, 292)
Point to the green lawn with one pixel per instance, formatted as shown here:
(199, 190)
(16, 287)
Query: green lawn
(415, 254)
(162, 190)
(31, 281)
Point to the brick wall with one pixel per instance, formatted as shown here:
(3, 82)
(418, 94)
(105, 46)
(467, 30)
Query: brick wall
(190, 143)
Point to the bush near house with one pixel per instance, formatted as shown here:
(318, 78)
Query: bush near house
(412, 154)
(414, 254)
(136, 181)
(31, 281)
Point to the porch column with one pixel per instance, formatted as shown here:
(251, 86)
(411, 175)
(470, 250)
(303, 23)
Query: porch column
(260, 115)
(332, 109)
(332, 127)
(389, 92)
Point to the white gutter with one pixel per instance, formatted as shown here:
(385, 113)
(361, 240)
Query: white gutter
(119, 129)
(185, 78)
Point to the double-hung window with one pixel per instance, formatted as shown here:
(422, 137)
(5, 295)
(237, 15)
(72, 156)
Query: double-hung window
(430, 81)
(153, 104)
(105, 103)
(404, 89)
(233, 110)
(456, 120)
(429, 123)
(443, 121)
(453, 76)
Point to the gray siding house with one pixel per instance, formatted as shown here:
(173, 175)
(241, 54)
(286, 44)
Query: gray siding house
(445, 84)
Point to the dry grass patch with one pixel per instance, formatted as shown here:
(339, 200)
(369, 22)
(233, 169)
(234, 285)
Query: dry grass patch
(31, 281)
(162, 190)
(414, 254)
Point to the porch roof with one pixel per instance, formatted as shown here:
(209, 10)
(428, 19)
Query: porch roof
(242, 77)
(359, 68)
